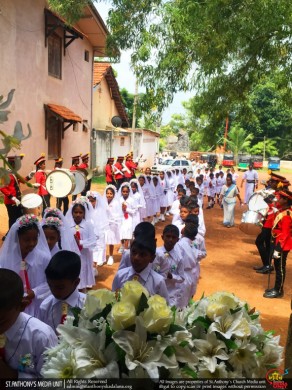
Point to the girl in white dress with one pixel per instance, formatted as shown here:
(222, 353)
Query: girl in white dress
(101, 225)
(158, 194)
(170, 190)
(114, 215)
(144, 213)
(139, 199)
(152, 199)
(129, 208)
(164, 198)
(79, 219)
(26, 252)
(211, 190)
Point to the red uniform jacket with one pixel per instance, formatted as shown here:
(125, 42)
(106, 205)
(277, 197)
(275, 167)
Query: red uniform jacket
(11, 190)
(120, 167)
(109, 173)
(282, 230)
(270, 218)
(73, 168)
(132, 167)
(40, 177)
(83, 166)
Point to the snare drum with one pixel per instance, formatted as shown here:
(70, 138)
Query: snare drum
(251, 223)
(256, 203)
(60, 183)
(80, 182)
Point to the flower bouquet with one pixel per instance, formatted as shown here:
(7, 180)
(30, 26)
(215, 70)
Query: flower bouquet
(132, 335)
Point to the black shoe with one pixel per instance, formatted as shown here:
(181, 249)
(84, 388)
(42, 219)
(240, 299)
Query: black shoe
(265, 270)
(208, 207)
(258, 267)
(273, 293)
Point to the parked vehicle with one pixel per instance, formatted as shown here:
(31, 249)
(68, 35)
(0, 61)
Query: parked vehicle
(172, 164)
(257, 161)
(243, 161)
(274, 163)
(212, 160)
(228, 160)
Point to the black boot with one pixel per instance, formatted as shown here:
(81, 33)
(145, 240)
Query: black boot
(273, 293)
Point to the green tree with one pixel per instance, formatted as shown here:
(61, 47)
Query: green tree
(267, 147)
(238, 141)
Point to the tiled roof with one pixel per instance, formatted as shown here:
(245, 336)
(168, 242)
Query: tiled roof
(99, 71)
(64, 112)
(103, 70)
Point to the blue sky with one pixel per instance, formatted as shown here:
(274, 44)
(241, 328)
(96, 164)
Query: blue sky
(126, 78)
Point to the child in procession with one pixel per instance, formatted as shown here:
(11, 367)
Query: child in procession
(23, 338)
(62, 275)
(142, 254)
(26, 252)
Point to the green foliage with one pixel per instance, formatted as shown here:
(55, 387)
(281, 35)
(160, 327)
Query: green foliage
(70, 10)
(269, 147)
(238, 140)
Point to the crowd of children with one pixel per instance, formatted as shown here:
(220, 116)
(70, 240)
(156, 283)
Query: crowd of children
(53, 262)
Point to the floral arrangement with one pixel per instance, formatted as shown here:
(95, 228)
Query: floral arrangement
(52, 221)
(132, 335)
(27, 220)
(53, 210)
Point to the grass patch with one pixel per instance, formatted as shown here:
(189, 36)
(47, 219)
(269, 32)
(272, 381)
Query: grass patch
(99, 179)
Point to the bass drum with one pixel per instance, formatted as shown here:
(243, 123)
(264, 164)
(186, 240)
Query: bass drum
(256, 203)
(251, 223)
(80, 182)
(60, 183)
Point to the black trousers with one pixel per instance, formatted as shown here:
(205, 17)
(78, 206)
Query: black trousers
(120, 182)
(46, 202)
(280, 268)
(263, 243)
(13, 212)
(65, 202)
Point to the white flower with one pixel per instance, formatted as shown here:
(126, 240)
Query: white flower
(210, 350)
(219, 371)
(272, 353)
(140, 352)
(60, 365)
(96, 301)
(197, 310)
(230, 325)
(227, 299)
(243, 359)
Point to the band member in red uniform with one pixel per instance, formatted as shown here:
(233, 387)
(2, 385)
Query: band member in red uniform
(74, 167)
(130, 166)
(75, 163)
(40, 181)
(109, 172)
(282, 242)
(119, 171)
(65, 199)
(263, 240)
(84, 165)
(12, 196)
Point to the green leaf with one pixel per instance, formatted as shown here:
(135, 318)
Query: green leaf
(184, 344)
(254, 316)
(142, 304)
(230, 344)
(189, 372)
(104, 313)
(169, 351)
(204, 321)
(76, 314)
(233, 311)
(175, 328)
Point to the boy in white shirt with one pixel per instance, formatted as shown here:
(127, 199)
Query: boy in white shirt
(62, 275)
(23, 339)
(142, 255)
(170, 260)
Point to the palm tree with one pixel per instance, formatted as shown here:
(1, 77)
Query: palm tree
(238, 141)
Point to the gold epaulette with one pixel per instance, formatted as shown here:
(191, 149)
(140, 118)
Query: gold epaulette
(281, 215)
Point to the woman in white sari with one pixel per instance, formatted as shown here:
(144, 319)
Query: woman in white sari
(228, 196)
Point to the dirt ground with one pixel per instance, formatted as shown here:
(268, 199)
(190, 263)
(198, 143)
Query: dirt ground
(228, 266)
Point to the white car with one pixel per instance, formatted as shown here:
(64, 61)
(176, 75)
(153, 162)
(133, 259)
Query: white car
(172, 164)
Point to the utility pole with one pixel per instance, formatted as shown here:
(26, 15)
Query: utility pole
(225, 133)
(134, 115)
(264, 148)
